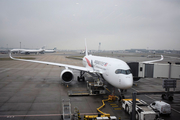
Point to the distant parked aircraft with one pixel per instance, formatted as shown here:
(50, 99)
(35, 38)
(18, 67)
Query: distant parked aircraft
(28, 51)
(50, 51)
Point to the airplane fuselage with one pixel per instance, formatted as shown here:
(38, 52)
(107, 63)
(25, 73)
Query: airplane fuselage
(114, 71)
(49, 51)
(26, 51)
(31, 51)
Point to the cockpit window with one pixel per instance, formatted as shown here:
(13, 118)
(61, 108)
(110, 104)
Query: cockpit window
(120, 71)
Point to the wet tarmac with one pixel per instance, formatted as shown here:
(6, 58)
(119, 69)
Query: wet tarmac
(30, 91)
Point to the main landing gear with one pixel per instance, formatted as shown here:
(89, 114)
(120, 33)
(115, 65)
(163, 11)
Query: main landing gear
(81, 77)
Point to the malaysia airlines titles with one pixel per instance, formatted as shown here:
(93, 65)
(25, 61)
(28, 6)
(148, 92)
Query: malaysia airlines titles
(100, 64)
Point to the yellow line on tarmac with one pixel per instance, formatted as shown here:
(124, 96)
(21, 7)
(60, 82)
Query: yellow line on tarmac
(113, 104)
(117, 108)
(105, 96)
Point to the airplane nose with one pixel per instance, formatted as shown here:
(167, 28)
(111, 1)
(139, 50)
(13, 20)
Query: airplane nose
(127, 82)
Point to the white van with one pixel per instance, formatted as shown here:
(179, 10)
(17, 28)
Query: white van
(161, 107)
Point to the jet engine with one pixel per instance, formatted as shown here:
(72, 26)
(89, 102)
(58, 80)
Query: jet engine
(67, 75)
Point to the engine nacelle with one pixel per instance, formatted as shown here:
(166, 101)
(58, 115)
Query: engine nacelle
(67, 75)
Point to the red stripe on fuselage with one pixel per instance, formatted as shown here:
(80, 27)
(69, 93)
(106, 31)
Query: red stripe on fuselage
(88, 62)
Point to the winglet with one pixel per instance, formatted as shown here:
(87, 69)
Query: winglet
(10, 55)
(86, 48)
(154, 60)
(162, 57)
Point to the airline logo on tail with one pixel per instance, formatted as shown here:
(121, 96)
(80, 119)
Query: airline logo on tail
(88, 62)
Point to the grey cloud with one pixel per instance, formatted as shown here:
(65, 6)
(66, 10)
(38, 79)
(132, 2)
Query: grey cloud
(116, 24)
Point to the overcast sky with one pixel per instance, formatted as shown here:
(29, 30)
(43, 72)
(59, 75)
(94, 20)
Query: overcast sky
(117, 24)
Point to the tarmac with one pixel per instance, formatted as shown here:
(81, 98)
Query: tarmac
(31, 91)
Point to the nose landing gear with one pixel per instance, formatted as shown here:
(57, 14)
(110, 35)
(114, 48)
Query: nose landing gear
(121, 96)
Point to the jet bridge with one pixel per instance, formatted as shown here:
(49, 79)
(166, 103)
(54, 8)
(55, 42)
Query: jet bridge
(154, 70)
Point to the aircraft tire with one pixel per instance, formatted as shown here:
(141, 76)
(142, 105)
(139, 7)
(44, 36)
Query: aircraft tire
(78, 78)
(126, 109)
(170, 98)
(123, 97)
(163, 96)
(120, 98)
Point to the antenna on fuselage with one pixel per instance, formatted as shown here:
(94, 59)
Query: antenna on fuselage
(86, 48)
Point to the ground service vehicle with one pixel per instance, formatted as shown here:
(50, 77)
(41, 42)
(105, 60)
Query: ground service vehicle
(143, 111)
(161, 107)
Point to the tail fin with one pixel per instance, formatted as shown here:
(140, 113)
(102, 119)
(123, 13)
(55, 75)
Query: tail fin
(86, 48)
(43, 47)
(55, 48)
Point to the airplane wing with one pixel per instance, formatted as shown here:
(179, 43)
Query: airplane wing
(55, 64)
(154, 60)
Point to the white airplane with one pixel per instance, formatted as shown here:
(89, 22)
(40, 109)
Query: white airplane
(114, 71)
(28, 51)
(17, 50)
(50, 51)
(82, 52)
